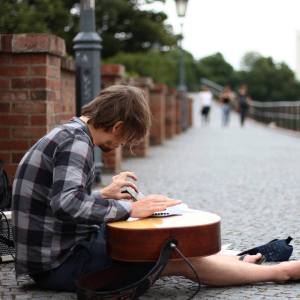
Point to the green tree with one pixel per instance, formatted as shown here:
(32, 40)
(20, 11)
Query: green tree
(121, 24)
(163, 67)
(125, 28)
(270, 81)
(249, 59)
(215, 68)
(34, 16)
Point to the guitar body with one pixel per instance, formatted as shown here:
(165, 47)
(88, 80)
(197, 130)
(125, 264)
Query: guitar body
(137, 240)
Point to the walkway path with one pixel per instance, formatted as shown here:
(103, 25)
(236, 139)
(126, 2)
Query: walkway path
(249, 176)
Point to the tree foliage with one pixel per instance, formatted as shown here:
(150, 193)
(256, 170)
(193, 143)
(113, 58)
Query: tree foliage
(120, 23)
(269, 81)
(215, 68)
(135, 38)
(34, 16)
(162, 66)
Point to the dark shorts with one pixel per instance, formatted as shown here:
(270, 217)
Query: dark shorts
(86, 257)
(205, 110)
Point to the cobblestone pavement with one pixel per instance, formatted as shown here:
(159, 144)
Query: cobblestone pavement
(249, 176)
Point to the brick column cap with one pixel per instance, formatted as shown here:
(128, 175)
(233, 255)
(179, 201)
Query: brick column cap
(172, 91)
(143, 82)
(32, 43)
(181, 95)
(114, 70)
(159, 88)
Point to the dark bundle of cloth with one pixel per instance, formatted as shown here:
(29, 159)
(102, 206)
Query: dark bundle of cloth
(274, 251)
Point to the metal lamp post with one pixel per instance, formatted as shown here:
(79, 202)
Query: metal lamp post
(87, 46)
(181, 6)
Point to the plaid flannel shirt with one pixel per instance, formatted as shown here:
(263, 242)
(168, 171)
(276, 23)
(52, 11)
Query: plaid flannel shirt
(51, 208)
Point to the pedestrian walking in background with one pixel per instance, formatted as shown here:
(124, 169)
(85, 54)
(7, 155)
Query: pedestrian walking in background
(243, 100)
(206, 98)
(225, 98)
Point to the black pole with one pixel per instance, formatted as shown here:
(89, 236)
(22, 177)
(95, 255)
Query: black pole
(182, 88)
(87, 46)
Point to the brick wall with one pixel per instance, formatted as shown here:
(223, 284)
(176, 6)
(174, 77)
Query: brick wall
(190, 113)
(158, 109)
(178, 114)
(171, 113)
(140, 150)
(112, 74)
(31, 87)
(68, 91)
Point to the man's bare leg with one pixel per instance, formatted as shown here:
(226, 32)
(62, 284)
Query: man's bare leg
(218, 270)
(248, 258)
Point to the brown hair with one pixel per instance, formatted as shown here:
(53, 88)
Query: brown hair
(120, 103)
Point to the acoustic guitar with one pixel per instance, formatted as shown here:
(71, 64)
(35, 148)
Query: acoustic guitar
(138, 240)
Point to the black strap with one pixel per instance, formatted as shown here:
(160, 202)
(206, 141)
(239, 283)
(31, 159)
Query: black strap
(8, 242)
(5, 189)
(113, 283)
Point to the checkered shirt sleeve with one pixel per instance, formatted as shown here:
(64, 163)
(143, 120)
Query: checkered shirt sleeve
(68, 198)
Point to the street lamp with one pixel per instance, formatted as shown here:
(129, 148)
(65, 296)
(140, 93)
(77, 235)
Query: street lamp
(87, 46)
(181, 6)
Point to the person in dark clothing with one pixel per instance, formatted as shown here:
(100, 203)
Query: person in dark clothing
(243, 103)
(226, 99)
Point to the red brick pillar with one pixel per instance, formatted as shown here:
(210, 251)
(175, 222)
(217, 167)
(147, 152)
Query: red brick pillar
(110, 75)
(178, 113)
(68, 90)
(31, 101)
(158, 109)
(140, 150)
(190, 113)
(171, 113)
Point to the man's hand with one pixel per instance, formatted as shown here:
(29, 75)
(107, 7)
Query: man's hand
(119, 183)
(150, 204)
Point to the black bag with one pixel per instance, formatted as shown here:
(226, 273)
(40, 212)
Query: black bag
(276, 250)
(5, 189)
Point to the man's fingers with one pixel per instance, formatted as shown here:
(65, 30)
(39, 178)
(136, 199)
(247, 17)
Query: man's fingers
(163, 205)
(164, 200)
(129, 174)
(128, 184)
(158, 208)
(124, 196)
(125, 176)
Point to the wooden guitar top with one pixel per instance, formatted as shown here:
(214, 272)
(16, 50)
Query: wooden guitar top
(197, 234)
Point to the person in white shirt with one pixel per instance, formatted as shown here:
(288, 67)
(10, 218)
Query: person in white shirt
(206, 98)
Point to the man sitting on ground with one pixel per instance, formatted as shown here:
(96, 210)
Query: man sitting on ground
(59, 227)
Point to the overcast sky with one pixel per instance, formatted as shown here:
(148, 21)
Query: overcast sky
(234, 27)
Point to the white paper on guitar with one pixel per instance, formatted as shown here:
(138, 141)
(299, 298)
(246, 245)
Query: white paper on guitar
(175, 210)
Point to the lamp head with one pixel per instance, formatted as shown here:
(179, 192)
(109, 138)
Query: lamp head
(181, 6)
